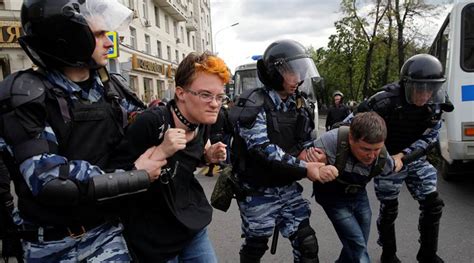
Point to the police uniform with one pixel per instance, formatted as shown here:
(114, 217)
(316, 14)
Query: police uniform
(409, 128)
(59, 137)
(269, 171)
(345, 200)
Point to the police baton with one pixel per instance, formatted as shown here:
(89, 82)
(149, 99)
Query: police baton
(417, 154)
(276, 232)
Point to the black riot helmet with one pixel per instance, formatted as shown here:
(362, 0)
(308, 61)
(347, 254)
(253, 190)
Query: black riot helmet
(422, 78)
(58, 32)
(287, 57)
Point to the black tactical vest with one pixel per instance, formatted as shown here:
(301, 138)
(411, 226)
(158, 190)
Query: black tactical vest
(282, 131)
(405, 122)
(85, 131)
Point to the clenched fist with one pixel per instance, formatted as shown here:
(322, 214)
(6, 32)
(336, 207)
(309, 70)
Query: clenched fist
(215, 153)
(173, 141)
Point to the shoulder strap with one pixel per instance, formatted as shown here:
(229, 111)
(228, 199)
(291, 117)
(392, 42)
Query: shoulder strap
(342, 151)
(379, 163)
(163, 112)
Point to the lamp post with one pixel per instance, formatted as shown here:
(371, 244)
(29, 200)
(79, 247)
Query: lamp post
(218, 31)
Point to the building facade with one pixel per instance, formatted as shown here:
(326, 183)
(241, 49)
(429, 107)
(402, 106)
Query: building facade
(160, 35)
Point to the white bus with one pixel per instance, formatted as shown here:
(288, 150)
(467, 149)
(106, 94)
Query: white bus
(454, 47)
(245, 77)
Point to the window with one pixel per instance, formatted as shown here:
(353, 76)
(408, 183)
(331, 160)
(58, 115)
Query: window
(160, 84)
(167, 24)
(134, 83)
(182, 34)
(176, 54)
(183, 56)
(157, 16)
(168, 51)
(194, 43)
(147, 44)
(467, 38)
(439, 48)
(127, 3)
(147, 89)
(158, 49)
(145, 10)
(133, 37)
(175, 29)
(188, 38)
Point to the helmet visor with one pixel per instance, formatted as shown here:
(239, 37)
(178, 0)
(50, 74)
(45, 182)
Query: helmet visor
(421, 93)
(106, 15)
(301, 72)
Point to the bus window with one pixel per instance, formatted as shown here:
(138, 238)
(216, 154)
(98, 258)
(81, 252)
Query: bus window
(245, 80)
(439, 48)
(467, 38)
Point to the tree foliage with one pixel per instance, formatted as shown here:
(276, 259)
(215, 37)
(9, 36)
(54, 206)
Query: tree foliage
(371, 40)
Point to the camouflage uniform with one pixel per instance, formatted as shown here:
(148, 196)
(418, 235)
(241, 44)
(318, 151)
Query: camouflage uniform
(410, 128)
(102, 243)
(420, 176)
(267, 207)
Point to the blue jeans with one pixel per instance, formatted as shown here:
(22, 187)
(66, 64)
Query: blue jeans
(199, 250)
(350, 217)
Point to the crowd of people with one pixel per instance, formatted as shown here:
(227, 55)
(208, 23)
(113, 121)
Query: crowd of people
(102, 177)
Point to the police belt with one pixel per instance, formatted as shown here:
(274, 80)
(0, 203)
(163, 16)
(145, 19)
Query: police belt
(349, 188)
(52, 233)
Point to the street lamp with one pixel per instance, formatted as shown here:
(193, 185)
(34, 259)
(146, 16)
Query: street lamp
(220, 30)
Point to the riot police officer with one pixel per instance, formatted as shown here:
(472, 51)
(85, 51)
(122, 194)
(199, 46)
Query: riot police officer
(60, 122)
(412, 109)
(273, 124)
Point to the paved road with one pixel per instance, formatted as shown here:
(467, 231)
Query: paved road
(456, 234)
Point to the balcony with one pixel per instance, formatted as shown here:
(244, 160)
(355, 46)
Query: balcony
(191, 24)
(172, 8)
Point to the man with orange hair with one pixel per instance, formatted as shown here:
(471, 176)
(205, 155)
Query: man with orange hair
(168, 222)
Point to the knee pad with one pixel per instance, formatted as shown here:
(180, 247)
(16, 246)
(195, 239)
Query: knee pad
(254, 247)
(388, 211)
(432, 205)
(307, 242)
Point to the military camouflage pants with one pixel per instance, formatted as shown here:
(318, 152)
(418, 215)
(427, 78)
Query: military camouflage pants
(282, 206)
(420, 177)
(103, 243)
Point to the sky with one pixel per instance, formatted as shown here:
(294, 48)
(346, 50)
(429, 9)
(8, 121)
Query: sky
(261, 22)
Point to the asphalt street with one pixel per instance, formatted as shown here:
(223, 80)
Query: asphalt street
(456, 231)
(456, 243)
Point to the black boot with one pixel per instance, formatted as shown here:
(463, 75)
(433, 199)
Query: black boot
(386, 228)
(431, 211)
(389, 257)
(248, 259)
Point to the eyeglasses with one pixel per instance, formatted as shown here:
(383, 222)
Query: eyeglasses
(208, 97)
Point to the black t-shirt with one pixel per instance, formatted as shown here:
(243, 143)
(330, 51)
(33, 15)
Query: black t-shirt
(161, 221)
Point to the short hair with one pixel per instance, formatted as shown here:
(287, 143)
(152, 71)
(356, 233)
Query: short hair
(369, 127)
(194, 63)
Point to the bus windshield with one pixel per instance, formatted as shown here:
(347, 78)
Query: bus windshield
(246, 80)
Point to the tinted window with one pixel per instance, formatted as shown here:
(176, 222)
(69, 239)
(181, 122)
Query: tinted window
(467, 38)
